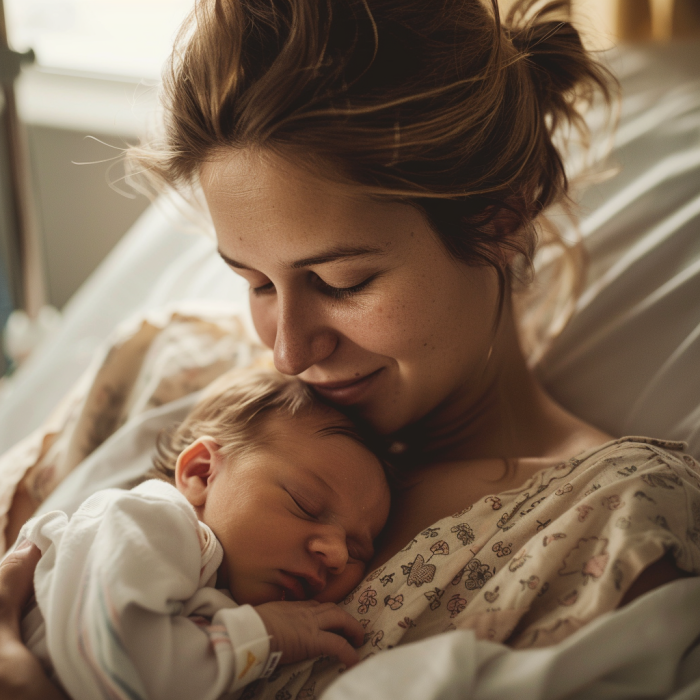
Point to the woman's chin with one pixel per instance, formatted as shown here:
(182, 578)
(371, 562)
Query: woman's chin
(386, 421)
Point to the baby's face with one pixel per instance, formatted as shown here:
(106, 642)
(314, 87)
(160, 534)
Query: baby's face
(297, 518)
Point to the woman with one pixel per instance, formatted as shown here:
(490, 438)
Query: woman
(375, 169)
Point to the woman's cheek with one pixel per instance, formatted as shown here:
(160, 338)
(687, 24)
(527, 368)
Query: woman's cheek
(394, 324)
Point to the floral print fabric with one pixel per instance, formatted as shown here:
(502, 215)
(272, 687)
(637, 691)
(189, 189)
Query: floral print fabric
(529, 566)
(146, 363)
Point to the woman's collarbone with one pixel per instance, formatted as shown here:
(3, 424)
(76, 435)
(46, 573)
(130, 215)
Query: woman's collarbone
(439, 490)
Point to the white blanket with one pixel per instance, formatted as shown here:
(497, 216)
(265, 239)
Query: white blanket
(649, 649)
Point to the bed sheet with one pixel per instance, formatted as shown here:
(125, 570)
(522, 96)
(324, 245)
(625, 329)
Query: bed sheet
(635, 336)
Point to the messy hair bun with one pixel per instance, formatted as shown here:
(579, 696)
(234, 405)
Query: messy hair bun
(436, 103)
(554, 52)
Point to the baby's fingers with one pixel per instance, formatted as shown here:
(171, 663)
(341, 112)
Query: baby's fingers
(332, 619)
(332, 645)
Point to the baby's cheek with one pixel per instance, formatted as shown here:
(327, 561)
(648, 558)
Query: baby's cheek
(338, 586)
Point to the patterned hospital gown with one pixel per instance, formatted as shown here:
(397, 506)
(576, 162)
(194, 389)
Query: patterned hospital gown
(528, 566)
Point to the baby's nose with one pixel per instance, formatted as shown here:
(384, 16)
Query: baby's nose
(332, 550)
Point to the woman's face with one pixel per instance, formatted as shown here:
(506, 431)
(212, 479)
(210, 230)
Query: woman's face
(355, 296)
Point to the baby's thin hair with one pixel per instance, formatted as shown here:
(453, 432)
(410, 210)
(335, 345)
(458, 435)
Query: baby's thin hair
(234, 411)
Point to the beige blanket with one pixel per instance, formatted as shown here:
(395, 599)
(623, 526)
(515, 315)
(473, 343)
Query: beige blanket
(146, 363)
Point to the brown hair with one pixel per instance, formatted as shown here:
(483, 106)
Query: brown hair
(234, 409)
(436, 103)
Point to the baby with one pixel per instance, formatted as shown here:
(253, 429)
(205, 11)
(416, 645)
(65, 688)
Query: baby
(195, 588)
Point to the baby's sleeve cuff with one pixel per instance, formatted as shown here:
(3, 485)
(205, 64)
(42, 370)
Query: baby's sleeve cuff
(44, 530)
(251, 647)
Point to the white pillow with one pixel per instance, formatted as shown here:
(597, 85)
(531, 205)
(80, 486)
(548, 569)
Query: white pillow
(629, 360)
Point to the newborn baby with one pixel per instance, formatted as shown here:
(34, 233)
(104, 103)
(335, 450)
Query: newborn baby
(195, 588)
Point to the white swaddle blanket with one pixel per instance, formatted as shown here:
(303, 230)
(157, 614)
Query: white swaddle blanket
(126, 604)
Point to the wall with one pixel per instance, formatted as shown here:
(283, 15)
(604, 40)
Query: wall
(81, 217)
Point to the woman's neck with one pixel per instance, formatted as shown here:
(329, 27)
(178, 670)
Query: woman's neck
(506, 413)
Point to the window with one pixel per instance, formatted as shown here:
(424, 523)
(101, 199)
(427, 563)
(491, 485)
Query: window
(126, 38)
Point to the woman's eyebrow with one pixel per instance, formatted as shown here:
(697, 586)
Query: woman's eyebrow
(334, 254)
(233, 263)
(331, 255)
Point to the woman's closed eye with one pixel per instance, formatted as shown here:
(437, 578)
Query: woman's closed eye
(322, 286)
(342, 292)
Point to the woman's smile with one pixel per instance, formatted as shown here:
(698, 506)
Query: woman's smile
(349, 392)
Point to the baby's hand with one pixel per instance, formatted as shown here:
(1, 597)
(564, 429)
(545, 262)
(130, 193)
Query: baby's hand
(306, 629)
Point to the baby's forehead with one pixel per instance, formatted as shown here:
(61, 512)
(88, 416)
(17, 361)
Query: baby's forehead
(324, 432)
(319, 421)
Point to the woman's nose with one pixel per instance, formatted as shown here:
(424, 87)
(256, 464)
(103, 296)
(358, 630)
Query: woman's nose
(302, 339)
(331, 549)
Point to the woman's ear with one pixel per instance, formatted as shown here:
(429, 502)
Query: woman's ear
(194, 469)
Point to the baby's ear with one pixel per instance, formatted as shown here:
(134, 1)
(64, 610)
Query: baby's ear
(194, 467)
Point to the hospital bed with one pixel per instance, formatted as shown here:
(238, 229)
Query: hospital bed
(628, 361)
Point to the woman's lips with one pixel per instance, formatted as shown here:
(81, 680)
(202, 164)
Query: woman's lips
(347, 392)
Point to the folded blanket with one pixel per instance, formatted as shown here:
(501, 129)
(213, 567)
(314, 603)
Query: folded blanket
(146, 363)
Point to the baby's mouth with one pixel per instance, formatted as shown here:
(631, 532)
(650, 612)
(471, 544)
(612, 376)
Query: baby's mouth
(294, 587)
(299, 587)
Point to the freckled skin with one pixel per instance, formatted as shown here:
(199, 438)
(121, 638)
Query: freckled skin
(322, 339)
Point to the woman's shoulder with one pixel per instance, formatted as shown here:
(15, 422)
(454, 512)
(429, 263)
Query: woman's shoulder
(638, 456)
(626, 470)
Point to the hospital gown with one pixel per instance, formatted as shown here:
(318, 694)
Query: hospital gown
(529, 566)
